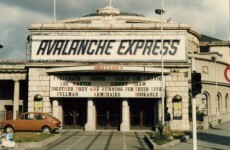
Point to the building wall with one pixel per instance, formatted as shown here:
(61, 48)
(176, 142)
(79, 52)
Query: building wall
(177, 84)
(38, 84)
(213, 83)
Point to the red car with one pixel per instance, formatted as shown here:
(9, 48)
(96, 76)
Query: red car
(33, 121)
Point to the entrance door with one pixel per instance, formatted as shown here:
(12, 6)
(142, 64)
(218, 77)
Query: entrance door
(143, 114)
(74, 113)
(9, 112)
(108, 113)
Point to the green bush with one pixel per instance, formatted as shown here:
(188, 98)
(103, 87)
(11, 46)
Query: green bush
(178, 134)
(200, 115)
(162, 135)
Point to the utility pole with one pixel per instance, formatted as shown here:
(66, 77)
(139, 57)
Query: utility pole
(194, 131)
(162, 67)
(161, 12)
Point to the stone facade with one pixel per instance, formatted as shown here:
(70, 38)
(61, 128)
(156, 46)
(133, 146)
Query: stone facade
(112, 25)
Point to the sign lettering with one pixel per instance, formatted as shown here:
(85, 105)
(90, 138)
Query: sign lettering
(105, 86)
(112, 48)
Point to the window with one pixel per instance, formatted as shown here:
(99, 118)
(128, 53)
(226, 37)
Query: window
(39, 116)
(6, 89)
(218, 103)
(204, 102)
(27, 117)
(204, 69)
(204, 49)
(226, 102)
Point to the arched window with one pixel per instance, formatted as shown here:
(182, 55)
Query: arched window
(226, 102)
(218, 104)
(205, 103)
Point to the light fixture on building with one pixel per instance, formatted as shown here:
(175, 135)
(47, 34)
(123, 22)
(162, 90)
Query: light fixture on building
(38, 97)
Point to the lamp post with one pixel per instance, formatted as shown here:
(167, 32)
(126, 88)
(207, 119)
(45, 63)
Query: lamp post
(194, 124)
(214, 58)
(161, 12)
(54, 11)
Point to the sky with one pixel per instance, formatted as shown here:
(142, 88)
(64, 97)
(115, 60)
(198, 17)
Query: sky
(208, 17)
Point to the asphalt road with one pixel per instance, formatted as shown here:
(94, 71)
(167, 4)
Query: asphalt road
(217, 138)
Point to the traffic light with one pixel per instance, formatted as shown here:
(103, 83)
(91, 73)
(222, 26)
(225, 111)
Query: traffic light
(196, 83)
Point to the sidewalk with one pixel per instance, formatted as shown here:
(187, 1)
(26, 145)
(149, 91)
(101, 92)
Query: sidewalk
(217, 138)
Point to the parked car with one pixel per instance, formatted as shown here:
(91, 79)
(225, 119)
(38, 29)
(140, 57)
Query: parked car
(33, 121)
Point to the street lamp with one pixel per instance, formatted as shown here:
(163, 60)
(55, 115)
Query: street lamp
(54, 11)
(214, 58)
(161, 12)
(1, 46)
(38, 102)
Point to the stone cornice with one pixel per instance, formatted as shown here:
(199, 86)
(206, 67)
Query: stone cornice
(215, 43)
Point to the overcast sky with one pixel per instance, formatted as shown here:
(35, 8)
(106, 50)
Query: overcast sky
(209, 17)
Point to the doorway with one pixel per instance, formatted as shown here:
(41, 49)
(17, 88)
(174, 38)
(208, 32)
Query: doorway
(108, 112)
(143, 114)
(74, 113)
(9, 112)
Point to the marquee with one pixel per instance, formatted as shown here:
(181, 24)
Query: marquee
(105, 86)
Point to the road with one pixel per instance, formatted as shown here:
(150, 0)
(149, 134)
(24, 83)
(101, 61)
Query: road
(217, 138)
(99, 140)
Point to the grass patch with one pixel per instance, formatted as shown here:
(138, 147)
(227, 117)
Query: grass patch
(30, 136)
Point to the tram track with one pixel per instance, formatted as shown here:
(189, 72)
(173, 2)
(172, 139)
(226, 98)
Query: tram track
(109, 141)
(61, 140)
(139, 140)
(91, 143)
(98, 140)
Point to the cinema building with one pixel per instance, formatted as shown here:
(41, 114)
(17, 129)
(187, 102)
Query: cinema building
(104, 71)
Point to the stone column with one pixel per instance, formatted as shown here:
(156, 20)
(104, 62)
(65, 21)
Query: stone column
(16, 99)
(55, 108)
(91, 123)
(125, 124)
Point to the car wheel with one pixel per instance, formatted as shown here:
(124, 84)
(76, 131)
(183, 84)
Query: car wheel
(46, 129)
(9, 128)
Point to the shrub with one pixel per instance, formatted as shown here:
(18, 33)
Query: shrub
(162, 135)
(178, 134)
(200, 115)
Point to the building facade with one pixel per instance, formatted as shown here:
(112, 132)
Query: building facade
(104, 71)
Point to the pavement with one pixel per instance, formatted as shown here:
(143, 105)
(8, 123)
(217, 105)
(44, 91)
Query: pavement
(98, 140)
(217, 138)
